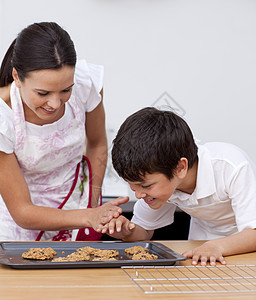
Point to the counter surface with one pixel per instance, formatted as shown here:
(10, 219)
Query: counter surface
(107, 283)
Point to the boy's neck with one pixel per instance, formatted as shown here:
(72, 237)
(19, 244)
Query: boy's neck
(188, 185)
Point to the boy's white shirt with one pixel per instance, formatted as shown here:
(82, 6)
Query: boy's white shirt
(223, 202)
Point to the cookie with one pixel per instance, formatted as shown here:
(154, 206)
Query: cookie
(39, 253)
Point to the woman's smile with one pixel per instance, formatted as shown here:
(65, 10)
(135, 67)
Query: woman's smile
(44, 94)
(49, 110)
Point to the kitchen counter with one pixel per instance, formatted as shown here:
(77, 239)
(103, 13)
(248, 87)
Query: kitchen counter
(102, 283)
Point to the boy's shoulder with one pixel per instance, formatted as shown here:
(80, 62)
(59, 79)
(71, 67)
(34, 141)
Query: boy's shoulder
(221, 147)
(225, 151)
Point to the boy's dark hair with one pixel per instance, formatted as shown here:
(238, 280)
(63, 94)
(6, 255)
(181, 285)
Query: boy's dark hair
(152, 141)
(40, 46)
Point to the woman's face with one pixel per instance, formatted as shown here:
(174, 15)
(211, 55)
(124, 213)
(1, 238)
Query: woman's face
(44, 93)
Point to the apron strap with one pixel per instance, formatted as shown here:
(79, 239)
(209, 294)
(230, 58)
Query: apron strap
(88, 233)
(66, 199)
(90, 183)
(84, 233)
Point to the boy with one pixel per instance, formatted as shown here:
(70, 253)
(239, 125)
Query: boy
(155, 152)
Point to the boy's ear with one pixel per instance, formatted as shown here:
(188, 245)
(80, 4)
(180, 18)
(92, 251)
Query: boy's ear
(182, 168)
(16, 78)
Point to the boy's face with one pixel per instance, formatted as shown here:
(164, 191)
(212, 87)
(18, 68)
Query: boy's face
(155, 189)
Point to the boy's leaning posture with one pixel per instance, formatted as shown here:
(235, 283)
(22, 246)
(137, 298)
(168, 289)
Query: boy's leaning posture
(155, 152)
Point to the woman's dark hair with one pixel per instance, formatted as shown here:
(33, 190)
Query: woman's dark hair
(152, 141)
(40, 46)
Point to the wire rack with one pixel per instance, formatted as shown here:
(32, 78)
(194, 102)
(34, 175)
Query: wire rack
(193, 279)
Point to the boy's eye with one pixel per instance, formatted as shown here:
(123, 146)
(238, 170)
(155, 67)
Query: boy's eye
(146, 186)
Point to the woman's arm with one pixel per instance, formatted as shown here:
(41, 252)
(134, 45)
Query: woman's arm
(96, 148)
(15, 192)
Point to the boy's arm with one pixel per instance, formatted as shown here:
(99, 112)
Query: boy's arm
(139, 234)
(214, 250)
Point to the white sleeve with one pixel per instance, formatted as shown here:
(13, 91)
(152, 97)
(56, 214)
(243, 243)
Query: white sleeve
(242, 192)
(88, 84)
(151, 219)
(7, 135)
(96, 73)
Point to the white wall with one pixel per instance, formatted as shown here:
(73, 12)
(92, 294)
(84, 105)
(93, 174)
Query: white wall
(200, 52)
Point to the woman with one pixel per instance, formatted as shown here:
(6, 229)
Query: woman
(50, 104)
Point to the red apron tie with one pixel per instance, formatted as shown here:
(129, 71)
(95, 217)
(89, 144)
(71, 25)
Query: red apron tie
(84, 234)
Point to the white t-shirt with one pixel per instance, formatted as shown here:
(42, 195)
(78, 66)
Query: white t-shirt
(88, 84)
(223, 202)
(48, 155)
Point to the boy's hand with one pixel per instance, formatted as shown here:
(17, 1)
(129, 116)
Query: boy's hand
(103, 214)
(206, 252)
(118, 228)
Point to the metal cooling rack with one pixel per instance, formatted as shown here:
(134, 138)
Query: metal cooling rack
(193, 279)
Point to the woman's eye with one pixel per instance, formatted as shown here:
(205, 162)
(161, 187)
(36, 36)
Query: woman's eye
(42, 94)
(67, 91)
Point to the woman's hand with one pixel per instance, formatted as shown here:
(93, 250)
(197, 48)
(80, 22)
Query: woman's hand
(209, 251)
(104, 214)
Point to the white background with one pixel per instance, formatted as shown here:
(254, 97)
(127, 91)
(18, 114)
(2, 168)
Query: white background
(202, 53)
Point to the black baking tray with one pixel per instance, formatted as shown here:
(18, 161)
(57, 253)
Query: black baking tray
(10, 254)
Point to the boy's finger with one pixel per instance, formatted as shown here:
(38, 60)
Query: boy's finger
(188, 254)
(104, 229)
(111, 227)
(222, 260)
(203, 260)
(195, 259)
(99, 228)
(119, 225)
(131, 226)
(212, 260)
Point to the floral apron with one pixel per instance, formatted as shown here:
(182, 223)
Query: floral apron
(52, 164)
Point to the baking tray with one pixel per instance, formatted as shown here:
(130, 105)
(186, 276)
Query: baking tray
(10, 254)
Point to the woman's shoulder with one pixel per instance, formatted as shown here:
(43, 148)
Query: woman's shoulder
(88, 84)
(87, 71)
(5, 94)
